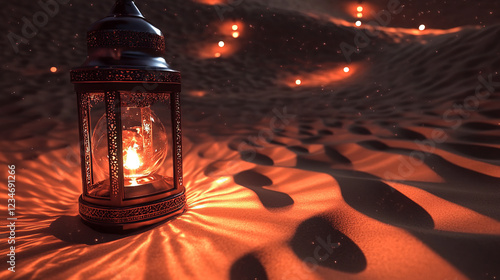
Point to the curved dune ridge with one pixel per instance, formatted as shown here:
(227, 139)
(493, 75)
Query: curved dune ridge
(388, 169)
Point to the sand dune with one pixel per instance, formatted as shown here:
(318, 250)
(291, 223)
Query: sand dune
(393, 164)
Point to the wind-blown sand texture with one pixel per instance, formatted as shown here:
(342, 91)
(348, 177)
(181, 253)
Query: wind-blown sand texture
(394, 164)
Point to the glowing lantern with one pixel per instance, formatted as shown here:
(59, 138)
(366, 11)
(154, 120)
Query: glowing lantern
(130, 124)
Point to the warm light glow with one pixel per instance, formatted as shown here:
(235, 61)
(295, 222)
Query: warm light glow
(358, 23)
(144, 142)
(53, 69)
(131, 159)
(222, 180)
(236, 34)
(234, 27)
(421, 27)
(346, 69)
(221, 44)
(360, 15)
(298, 82)
(198, 93)
(217, 54)
(359, 9)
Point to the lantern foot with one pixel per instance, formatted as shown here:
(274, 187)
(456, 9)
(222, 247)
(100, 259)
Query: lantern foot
(118, 219)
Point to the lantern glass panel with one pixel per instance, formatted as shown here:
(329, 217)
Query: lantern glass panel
(100, 187)
(146, 147)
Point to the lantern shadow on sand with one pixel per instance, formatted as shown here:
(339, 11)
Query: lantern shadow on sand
(130, 124)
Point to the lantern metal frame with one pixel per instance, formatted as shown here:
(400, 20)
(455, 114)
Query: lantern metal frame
(124, 60)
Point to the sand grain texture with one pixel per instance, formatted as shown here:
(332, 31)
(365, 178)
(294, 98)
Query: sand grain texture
(394, 165)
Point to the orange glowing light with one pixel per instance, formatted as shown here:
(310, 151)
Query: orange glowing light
(236, 34)
(131, 159)
(298, 82)
(358, 23)
(359, 9)
(360, 15)
(346, 69)
(221, 44)
(222, 180)
(198, 93)
(53, 69)
(234, 27)
(421, 27)
(217, 54)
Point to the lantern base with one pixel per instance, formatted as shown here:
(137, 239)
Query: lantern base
(131, 217)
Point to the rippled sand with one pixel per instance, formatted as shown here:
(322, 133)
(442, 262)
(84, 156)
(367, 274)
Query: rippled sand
(388, 171)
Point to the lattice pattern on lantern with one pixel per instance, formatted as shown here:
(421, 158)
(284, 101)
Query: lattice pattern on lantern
(96, 98)
(114, 146)
(84, 111)
(143, 99)
(125, 38)
(178, 136)
(130, 215)
(122, 75)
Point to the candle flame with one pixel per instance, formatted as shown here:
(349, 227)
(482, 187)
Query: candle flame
(131, 159)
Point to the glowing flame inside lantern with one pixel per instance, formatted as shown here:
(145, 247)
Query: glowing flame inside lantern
(144, 142)
(131, 159)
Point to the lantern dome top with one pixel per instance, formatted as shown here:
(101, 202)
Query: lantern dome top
(125, 40)
(125, 16)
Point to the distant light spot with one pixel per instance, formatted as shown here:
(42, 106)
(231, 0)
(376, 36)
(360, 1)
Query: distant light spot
(217, 54)
(298, 82)
(221, 44)
(235, 27)
(359, 9)
(421, 27)
(358, 23)
(236, 34)
(53, 69)
(360, 15)
(346, 69)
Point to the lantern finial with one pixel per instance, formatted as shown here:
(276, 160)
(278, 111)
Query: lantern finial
(125, 8)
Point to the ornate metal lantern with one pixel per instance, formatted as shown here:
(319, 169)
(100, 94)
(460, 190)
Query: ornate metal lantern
(130, 124)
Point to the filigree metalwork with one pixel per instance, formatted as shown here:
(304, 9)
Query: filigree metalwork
(132, 214)
(113, 116)
(125, 75)
(139, 99)
(125, 39)
(85, 149)
(176, 118)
